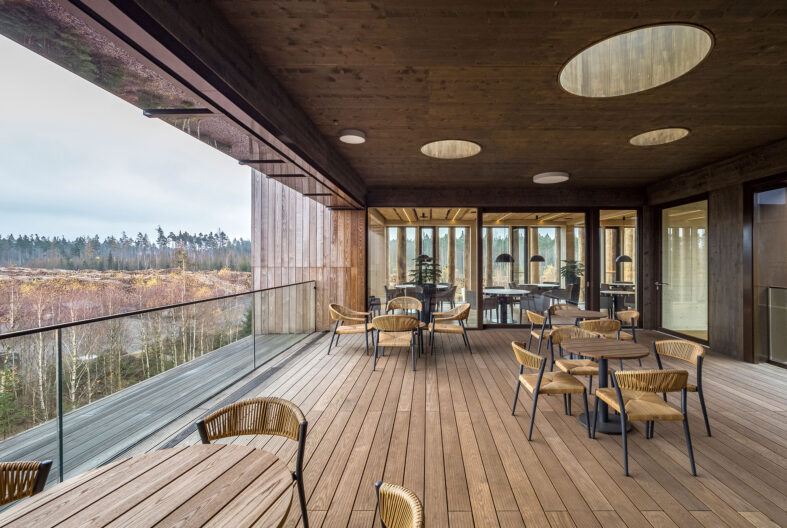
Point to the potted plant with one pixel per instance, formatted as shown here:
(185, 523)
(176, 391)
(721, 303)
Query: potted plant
(573, 271)
(426, 274)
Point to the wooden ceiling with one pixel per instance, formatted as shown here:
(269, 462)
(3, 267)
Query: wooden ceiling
(409, 72)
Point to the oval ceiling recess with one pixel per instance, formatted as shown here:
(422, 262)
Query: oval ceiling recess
(636, 60)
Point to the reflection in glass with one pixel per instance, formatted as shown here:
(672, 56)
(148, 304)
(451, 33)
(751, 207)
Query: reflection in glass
(618, 260)
(684, 269)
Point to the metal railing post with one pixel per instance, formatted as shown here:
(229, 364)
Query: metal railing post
(59, 339)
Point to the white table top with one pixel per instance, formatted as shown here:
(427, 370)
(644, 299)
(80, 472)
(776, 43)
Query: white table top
(403, 286)
(617, 292)
(505, 291)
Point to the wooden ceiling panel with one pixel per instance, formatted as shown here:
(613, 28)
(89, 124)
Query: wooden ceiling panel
(409, 72)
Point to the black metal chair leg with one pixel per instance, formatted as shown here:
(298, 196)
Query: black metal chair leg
(333, 335)
(625, 444)
(587, 414)
(412, 349)
(532, 416)
(431, 338)
(516, 396)
(302, 497)
(569, 405)
(590, 384)
(376, 347)
(565, 404)
(366, 335)
(688, 444)
(704, 410)
(595, 418)
(467, 339)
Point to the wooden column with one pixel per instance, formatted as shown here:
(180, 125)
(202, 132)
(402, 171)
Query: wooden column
(488, 258)
(451, 255)
(532, 245)
(401, 255)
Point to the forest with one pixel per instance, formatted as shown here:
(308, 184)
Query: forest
(104, 357)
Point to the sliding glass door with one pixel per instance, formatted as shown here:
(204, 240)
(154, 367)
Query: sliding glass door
(684, 269)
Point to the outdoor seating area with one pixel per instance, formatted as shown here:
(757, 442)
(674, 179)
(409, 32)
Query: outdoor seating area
(399, 264)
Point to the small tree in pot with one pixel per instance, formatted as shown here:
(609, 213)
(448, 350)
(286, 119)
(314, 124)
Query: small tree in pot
(573, 271)
(426, 274)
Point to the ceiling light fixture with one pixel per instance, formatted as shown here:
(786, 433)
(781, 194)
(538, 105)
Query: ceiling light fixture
(636, 60)
(550, 177)
(352, 136)
(659, 136)
(451, 149)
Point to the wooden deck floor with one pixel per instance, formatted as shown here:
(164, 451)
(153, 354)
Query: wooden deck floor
(446, 431)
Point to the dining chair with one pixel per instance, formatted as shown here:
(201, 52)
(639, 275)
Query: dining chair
(359, 324)
(544, 383)
(395, 331)
(399, 507)
(447, 295)
(261, 416)
(391, 293)
(628, 321)
(555, 319)
(634, 397)
(443, 323)
(575, 367)
(690, 353)
(22, 479)
(409, 306)
(539, 328)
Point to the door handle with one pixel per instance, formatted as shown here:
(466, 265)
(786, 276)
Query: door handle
(657, 283)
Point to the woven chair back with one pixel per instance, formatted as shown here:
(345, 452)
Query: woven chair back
(535, 318)
(17, 480)
(652, 380)
(626, 316)
(525, 357)
(601, 325)
(342, 313)
(404, 303)
(400, 507)
(457, 313)
(680, 349)
(562, 334)
(269, 416)
(558, 307)
(395, 323)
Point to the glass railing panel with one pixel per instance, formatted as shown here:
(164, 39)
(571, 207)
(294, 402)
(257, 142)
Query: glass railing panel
(28, 399)
(283, 316)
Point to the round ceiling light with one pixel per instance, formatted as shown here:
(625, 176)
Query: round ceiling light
(550, 177)
(659, 137)
(451, 149)
(636, 60)
(352, 136)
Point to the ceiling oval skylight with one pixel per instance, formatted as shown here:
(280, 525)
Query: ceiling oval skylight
(659, 137)
(636, 60)
(451, 149)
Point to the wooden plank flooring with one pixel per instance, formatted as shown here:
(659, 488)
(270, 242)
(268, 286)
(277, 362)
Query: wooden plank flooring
(446, 431)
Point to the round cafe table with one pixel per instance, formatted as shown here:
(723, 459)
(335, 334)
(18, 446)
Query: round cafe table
(604, 350)
(200, 485)
(502, 295)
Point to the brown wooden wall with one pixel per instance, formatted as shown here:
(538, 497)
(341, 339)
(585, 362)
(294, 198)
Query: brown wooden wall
(295, 239)
(722, 182)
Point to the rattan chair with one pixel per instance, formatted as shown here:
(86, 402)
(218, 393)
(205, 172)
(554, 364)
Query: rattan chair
(447, 295)
(395, 331)
(555, 319)
(359, 324)
(443, 323)
(544, 383)
(409, 306)
(399, 507)
(539, 327)
(634, 397)
(628, 321)
(22, 479)
(575, 367)
(261, 416)
(690, 353)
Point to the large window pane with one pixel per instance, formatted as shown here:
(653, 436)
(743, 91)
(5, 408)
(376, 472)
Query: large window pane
(684, 269)
(618, 290)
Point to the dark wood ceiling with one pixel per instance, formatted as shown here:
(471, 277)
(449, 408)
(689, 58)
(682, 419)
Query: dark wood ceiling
(408, 72)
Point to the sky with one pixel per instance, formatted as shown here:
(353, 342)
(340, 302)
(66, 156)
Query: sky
(77, 160)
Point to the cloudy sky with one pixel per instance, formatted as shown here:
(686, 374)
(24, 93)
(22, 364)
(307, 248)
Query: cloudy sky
(76, 160)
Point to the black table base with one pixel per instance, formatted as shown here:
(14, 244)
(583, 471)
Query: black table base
(611, 427)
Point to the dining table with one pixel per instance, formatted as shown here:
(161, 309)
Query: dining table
(615, 295)
(503, 295)
(578, 314)
(603, 350)
(199, 485)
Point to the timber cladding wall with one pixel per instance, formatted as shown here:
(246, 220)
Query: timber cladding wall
(295, 239)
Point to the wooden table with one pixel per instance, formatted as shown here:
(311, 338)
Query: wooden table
(502, 295)
(577, 314)
(613, 294)
(603, 350)
(200, 485)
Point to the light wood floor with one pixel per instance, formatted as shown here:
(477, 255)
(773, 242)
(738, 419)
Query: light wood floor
(446, 431)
